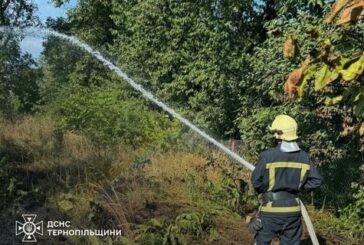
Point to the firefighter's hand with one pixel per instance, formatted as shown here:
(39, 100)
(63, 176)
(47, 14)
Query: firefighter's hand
(255, 225)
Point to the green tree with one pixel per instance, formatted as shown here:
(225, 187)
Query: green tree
(17, 13)
(191, 53)
(18, 75)
(18, 72)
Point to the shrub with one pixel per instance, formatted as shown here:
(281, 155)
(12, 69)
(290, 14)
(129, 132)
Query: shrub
(189, 227)
(109, 118)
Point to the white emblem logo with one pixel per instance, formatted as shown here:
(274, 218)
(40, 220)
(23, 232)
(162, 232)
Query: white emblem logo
(29, 228)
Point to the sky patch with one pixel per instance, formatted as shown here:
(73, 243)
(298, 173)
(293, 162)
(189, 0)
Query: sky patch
(34, 45)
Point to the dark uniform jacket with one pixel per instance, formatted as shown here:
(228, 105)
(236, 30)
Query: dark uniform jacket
(284, 171)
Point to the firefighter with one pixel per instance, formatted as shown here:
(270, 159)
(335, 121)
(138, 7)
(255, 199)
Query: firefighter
(280, 174)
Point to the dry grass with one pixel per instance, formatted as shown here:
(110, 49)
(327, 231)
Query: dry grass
(37, 145)
(172, 170)
(126, 202)
(27, 139)
(178, 166)
(122, 158)
(29, 132)
(77, 147)
(173, 165)
(232, 231)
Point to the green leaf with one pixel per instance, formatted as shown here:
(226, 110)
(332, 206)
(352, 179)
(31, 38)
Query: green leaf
(301, 87)
(340, 63)
(309, 74)
(324, 77)
(333, 100)
(359, 106)
(354, 70)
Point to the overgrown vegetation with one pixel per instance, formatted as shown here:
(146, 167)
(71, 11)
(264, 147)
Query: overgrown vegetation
(77, 143)
(171, 197)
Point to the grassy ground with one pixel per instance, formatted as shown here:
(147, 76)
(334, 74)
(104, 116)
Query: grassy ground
(170, 197)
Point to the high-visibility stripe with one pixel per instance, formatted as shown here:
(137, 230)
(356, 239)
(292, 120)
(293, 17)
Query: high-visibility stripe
(304, 170)
(272, 178)
(271, 209)
(272, 170)
(287, 165)
(281, 209)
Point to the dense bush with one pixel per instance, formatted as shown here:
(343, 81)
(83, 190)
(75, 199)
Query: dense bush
(109, 117)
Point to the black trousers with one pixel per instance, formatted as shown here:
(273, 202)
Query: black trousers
(287, 228)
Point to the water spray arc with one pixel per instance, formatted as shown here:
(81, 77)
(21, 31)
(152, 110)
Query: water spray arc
(148, 95)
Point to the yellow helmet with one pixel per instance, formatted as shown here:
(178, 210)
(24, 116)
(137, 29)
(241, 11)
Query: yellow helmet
(284, 127)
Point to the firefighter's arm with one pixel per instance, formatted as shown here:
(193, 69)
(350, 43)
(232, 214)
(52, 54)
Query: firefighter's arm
(258, 174)
(314, 179)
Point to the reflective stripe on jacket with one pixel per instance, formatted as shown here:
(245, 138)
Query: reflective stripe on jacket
(284, 171)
